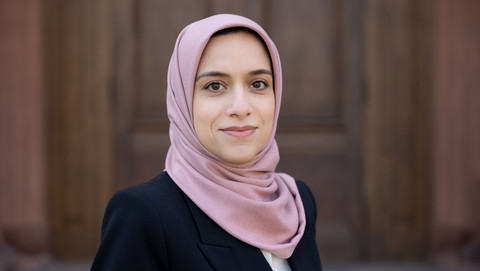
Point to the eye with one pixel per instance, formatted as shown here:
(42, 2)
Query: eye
(259, 85)
(215, 87)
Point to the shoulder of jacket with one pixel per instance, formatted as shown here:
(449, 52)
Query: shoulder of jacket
(308, 200)
(157, 194)
(159, 186)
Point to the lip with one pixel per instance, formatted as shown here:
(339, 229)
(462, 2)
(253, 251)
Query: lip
(239, 131)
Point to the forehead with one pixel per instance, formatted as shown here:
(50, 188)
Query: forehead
(235, 49)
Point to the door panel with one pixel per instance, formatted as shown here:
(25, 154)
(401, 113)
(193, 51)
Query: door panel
(107, 68)
(317, 135)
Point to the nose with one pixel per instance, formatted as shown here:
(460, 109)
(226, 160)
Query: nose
(239, 105)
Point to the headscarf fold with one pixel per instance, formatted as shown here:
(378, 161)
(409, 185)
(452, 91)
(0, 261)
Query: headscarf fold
(250, 201)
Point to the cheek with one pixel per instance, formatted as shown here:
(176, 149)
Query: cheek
(269, 111)
(204, 113)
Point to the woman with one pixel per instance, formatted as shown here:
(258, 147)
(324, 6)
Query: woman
(219, 204)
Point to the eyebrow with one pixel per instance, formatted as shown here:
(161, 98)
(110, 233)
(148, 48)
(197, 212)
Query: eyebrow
(261, 71)
(222, 74)
(211, 73)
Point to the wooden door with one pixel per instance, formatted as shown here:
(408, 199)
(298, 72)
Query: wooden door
(107, 63)
(81, 149)
(319, 133)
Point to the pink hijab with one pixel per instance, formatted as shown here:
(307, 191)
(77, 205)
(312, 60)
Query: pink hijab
(251, 202)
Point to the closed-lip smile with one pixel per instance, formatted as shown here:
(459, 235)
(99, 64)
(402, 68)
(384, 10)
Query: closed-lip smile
(239, 131)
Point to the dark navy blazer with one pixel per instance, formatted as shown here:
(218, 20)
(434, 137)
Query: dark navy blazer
(155, 226)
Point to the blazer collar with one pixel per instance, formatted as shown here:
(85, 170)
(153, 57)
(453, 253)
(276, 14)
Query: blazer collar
(305, 255)
(301, 258)
(222, 250)
(225, 252)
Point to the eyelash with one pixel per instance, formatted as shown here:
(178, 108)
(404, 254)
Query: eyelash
(209, 85)
(265, 84)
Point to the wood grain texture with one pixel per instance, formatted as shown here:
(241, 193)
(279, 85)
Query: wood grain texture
(396, 128)
(107, 81)
(319, 133)
(354, 121)
(23, 211)
(456, 130)
(78, 43)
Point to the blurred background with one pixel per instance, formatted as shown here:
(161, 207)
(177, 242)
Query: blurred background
(380, 116)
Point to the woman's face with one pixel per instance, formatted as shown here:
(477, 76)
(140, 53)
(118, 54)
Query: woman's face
(233, 99)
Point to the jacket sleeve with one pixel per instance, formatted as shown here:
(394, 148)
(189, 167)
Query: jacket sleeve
(132, 235)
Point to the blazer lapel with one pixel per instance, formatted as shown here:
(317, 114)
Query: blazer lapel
(305, 256)
(222, 250)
